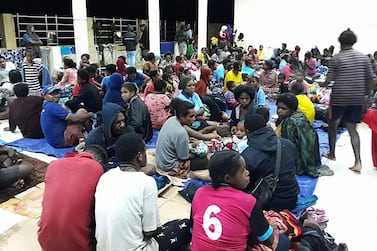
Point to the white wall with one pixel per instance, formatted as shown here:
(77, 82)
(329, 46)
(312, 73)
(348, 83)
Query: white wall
(306, 23)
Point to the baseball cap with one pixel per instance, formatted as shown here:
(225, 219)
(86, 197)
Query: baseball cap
(50, 89)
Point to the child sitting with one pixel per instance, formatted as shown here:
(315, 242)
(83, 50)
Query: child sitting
(299, 77)
(305, 105)
(260, 96)
(240, 138)
(282, 84)
(229, 95)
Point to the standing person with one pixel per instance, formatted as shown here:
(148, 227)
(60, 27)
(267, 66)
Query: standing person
(32, 71)
(181, 38)
(144, 40)
(130, 41)
(353, 75)
(32, 41)
(5, 68)
(75, 203)
(126, 209)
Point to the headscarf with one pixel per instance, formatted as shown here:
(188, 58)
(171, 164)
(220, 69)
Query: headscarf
(205, 72)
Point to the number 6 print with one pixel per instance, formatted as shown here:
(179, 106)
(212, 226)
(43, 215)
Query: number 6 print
(212, 225)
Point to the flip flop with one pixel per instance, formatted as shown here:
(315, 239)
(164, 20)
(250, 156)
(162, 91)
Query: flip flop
(327, 156)
(354, 170)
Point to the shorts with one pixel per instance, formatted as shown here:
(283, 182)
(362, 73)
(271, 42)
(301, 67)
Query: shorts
(351, 113)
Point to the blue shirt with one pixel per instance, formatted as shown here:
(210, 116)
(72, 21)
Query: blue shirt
(53, 123)
(248, 70)
(139, 80)
(195, 100)
(260, 98)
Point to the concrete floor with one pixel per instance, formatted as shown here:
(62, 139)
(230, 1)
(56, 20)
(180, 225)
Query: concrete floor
(347, 197)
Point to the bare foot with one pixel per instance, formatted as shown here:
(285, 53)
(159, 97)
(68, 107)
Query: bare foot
(356, 168)
(328, 156)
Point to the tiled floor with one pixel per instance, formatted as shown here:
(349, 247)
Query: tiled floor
(348, 199)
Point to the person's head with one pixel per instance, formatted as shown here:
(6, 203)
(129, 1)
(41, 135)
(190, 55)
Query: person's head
(178, 59)
(187, 72)
(308, 55)
(92, 69)
(118, 124)
(253, 82)
(187, 85)
(142, 27)
(218, 51)
(268, 65)
(287, 103)
(228, 167)
(331, 49)
(244, 95)
(240, 131)
(29, 56)
(168, 71)
(15, 76)
(30, 29)
(298, 88)
(21, 90)
(51, 94)
(231, 85)
(237, 67)
(285, 57)
(128, 91)
(68, 63)
(150, 57)
(130, 148)
(281, 78)
(130, 28)
(240, 36)
(254, 122)
(3, 63)
(154, 75)
(212, 65)
(184, 111)
(98, 152)
(265, 112)
(226, 48)
(299, 75)
(83, 76)
(347, 38)
(283, 46)
(204, 50)
(159, 85)
(168, 56)
(261, 47)
(131, 73)
(110, 69)
(206, 74)
(85, 58)
(326, 52)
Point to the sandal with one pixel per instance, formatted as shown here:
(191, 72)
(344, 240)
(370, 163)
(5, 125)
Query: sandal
(327, 156)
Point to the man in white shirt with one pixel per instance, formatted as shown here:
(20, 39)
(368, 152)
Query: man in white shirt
(5, 68)
(126, 210)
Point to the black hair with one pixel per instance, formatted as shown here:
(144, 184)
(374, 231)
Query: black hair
(15, 76)
(237, 65)
(123, 57)
(240, 36)
(183, 82)
(285, 57)
(69, 63)
(91, 69)
(85, 55)
(178, 58)
(281, 75)
(131, 70)
(130, 86)
(289, 99)
(21, 90)
(84, 74)
(98, 152)
(211, 63)
(180, 108)
(347, 37)
(169, 68)
(269, 63)
(111, 68)
(230, 84)
(284, 45)
(128, 146)
(167, 54)
(297, 88)
(244, 89)
(254, 122)
(308, 54)
(149, 56)
(159, 85)
(264, 111)
(185, 71)
(153, 73)
(222, 163)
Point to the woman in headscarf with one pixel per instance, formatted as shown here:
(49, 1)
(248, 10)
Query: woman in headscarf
(32, 41)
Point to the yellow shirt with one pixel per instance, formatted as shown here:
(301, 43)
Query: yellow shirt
(230, 76)
(261, 55)
(306, 106)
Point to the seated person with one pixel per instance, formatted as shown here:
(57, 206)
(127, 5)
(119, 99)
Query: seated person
(126, 208)
(25, 112)
(82, 173)
(136, 77)
(260, 158)
(201, 125)
(305, 105)
(138, 116)
(293, 125)
(229, 95)
(245, 96)
(268, 79)
(155, 76)
(11, 172)
(260, 97)
(158, 104)
(60, 127)
(299, 77)
(172, 149)
(226, 218)
(240, 138)
(113, 125)
(113, 86)
(88, 98)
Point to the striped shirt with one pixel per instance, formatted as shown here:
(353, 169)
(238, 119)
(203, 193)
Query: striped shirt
(351, 71)
(31, 75)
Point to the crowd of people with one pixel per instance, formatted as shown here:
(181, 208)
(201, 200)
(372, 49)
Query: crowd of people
(187, 100)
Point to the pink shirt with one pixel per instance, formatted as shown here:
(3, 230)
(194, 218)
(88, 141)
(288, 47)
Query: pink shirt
(221, 219)
(157, 104)
(69, 77)
(149, 88)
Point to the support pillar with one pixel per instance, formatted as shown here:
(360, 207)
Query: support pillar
(154, 26)
(202, 23)
(7, 31)
(80, 27)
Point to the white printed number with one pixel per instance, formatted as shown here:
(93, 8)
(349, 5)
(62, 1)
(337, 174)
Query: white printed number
(212, 225)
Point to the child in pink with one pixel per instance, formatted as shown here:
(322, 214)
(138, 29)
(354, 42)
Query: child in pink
(158, 104)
